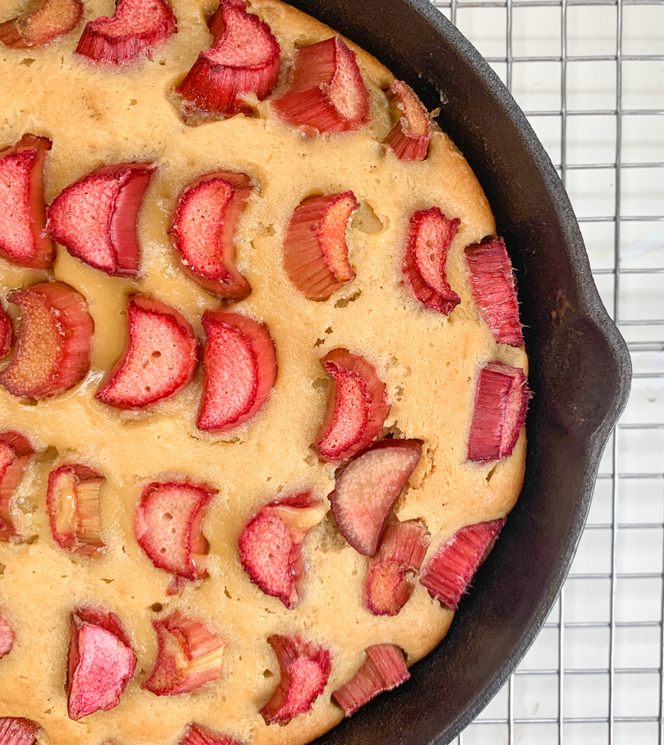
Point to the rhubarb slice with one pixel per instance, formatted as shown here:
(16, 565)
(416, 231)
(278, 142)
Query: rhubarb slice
(6, 639)
(356, 409)
(53, 19)
(449, 571)
(409, 137)
(54, 341)
(243, 60)
(22, 209)
(240, 364)
(168, 528)
(384, 669)
(305, 668)
(501, 403)
(492, 282)
(18, 731)
(72, 503)
(390, 582)
(431, 235)
(160, 358)
(189, 656)
(367, 488)
(95, 219)
(326, 92)
(315, 249)
(271, 545)
(203, 232)
(135, 29)
(6, 333)
(101, 662)
(196, 734)
(15, 454)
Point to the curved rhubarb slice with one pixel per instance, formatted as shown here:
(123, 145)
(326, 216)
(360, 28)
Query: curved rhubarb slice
(240, 364)
(168, 528)
(271, 545)
(367, 488)
(356, 409)
(492, 282)
(384, 669)
(430, 237)
(101, 662)
(189, 656)
(135, 29)
(326, 92)
(449, 571)
(6, 333)
(54, 341)
(6, 639)
(22, 208)
(95, 219)
(501, 403)
(160, 358)
(53, 19)
(391, 572)
(196, 734)
(15, 454)
(315, 250)
(18, 731)
(305, 669)
(72, 503)
(410, 136)
(243, 60)
(203, 232)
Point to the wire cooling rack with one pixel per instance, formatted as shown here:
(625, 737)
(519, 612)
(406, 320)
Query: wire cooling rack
(589, 74)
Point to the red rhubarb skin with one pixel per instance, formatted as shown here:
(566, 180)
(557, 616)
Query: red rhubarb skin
(243, 60)
(203, 232)
(96, 218)
(409, 138)
(326, 93)
(54, 341)
(15, 454)
(6, 333)
(240, 364)
(356, 410)
(18, 731)
(22, 208)
(53, 19)
(196, 734)
(135, 29)
(6, 638)
(160, 359)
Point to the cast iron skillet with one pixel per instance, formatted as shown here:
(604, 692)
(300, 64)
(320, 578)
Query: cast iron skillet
(580, 373)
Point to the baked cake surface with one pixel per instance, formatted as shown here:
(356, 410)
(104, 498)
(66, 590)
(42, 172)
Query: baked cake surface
(429, 362)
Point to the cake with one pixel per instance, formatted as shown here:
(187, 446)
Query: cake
(264, 382)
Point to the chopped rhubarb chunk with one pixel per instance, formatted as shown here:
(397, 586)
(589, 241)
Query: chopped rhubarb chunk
(135, 29)
(326, 92)
(315, 249)
(243, 60)
(431, 234)
(305, 669)
(196, 734)
(6, 639)
(410, 136)
(449, 571)
(15, 454)
(391, 572)
(271, 545)
(501, 403)
(367, 488)
(101, 662)
(168, 528)
(492, 281)
(189, 656)
(240, 364)
(384, 669)
(160, 358)
(22, 208)
(54, 341)
(203, 232)
(6, 333)
(72, 503)
(18, 731)
(95, 219)
(356, 409)
(53, 19)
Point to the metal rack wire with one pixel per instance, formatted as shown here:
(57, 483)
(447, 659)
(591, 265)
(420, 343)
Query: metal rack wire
(589, 75)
